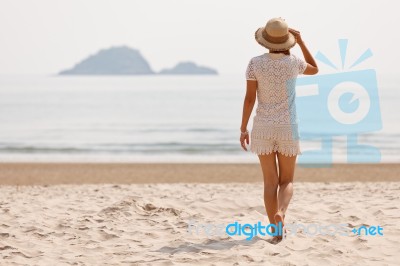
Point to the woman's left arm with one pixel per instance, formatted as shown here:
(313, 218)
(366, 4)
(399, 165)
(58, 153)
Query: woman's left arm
(248, 104)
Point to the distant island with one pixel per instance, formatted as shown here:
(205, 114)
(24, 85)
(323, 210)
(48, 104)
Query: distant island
(122, 60)
(185, 68)
(113, 61)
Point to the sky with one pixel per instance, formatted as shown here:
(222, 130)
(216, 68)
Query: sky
(46, 36)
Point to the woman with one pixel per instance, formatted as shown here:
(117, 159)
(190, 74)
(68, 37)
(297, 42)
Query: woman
(271, 77)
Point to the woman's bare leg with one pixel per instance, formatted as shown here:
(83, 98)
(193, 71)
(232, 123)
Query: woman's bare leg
(286, 173)
(270, 173)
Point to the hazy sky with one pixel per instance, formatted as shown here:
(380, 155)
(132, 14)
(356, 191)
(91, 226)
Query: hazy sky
(46, 36)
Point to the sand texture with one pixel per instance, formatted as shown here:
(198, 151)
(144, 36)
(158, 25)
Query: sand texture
(147, 224)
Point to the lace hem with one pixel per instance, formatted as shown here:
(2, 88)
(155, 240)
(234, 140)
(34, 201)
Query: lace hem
(266, 148)
(281, 132)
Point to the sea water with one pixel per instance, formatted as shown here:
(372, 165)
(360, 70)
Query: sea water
(146, 119)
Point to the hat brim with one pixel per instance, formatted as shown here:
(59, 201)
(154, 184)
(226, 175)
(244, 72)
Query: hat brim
(290, 42)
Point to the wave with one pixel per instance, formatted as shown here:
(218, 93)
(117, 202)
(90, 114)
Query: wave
(160, 148)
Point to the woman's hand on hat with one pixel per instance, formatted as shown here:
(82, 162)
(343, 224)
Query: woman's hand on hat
(296, 34)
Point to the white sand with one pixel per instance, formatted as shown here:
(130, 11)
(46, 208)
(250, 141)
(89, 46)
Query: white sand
(146, 224)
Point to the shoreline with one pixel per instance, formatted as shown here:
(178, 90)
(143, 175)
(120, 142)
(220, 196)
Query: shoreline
(54, 173)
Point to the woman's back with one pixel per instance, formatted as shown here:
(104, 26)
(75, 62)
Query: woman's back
(276, 78)
(271, 79)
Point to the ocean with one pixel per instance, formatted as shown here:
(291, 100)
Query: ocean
(147, 119)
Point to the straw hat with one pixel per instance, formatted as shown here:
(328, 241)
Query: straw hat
(275, 35)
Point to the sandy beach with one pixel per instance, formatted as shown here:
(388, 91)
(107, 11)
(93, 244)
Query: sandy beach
(113, 214)
(126, 173)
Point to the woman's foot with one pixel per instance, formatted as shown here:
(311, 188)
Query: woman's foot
(275, 240)
(279, 218)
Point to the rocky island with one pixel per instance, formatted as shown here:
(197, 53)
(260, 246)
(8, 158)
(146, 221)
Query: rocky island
(113, 61)
(188, 68)
(122, 60)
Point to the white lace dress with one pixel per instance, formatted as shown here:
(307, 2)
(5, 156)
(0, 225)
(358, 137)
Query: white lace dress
(275, 125)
